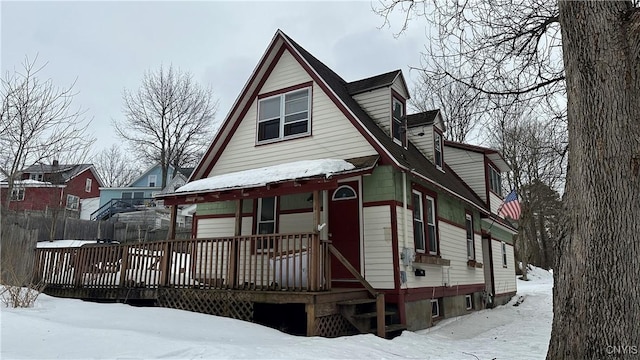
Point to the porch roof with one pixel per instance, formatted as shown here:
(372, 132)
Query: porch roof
(277, 179)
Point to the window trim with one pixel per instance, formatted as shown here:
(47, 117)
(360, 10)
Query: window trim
(436, 151)
(76, 202)
(498, 175)
(88, 183)
(355, 194)
(470, 240)
(308, 86)
(468, 299)
(395, 97)
(17, 193)
(505, 263)
(155, 180)
(36, 176)
(437, 314)
(426, 195)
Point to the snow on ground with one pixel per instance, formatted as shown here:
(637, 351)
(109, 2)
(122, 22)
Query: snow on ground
(72, 329)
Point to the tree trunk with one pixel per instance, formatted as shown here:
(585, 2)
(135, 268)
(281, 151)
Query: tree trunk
(596, 292)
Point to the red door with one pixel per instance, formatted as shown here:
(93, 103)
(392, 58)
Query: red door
(344, 230)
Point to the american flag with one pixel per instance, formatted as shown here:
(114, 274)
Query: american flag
(511, 206)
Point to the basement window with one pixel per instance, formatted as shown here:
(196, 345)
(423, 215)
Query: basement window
(435, 308)
(469, 301)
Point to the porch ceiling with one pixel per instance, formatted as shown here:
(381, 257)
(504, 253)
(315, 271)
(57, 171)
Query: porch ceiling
(288, 178)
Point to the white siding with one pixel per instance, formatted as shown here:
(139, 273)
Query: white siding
(378, 259)
(398, 86)
(505, 278)
(494, 201)
(377, 104)
(424, 143)
(453, 246)
(333, 135)
(222, 227)
(469, 166)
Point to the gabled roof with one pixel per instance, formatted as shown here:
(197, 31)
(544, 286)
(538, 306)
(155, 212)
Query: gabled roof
(423, 118)
(338, 90)
(372, 83)
(66, 171)
(493, 154)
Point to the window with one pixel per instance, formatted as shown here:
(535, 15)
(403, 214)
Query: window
(344, 192)
(135, 196)
(17, 194)
(468, 299)
(471, 254)
(424, 214)
(495, 181)
(87, 185)
(504, 255)
(37, 177)
(437, 149)
(73, 202)
(418, 223)
(284, 116)
(266, 222)
(153, 180)
(398, 130)
(435, 308)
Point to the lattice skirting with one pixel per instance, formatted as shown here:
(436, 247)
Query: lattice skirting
(221, 303)
(334, 325)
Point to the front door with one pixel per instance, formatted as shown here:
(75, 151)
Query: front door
(344, 230)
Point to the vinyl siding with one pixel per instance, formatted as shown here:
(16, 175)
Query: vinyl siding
(505, 278)
(424, 143)
(333, 135)
(398, 86)
(494, 201)
(221, 227)
(378, 260)
(453, 246)
(296, 223)
(470, 167)
(377, 103)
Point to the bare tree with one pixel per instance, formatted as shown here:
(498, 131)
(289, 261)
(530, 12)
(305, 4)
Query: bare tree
(38, 123)
(115, 167)
(461, 106)
(168, 120)
(513, 47)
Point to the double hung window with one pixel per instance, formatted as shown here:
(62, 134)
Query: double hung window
(284, 116)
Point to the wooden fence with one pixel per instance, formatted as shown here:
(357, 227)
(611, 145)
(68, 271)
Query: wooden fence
(293, 262)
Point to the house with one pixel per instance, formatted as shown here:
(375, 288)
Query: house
(402, 211)
(43, 187)
(139, 193)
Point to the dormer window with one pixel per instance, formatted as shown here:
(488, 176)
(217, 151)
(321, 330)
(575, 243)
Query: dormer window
(153, 179)
(437, 149)
(398, 130)
(495, 181)
(284, 116)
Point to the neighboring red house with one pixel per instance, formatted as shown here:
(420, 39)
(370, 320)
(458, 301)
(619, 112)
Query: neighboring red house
(43, 187)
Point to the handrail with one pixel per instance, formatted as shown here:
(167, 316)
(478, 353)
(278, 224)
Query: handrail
(106, 208)
(380, 303)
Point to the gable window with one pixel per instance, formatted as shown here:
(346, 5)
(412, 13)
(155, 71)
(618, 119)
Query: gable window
(504, 254)
(437, 149)
(471, 254)
(284, 116)
(397, 123)
(73, 202)
(153, 180)
(87, 185)
(495, 181)
(266, 222)
(17, 194)
(424, 224)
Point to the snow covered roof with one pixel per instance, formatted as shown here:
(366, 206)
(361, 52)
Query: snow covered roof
(29, 183)
(267, 175)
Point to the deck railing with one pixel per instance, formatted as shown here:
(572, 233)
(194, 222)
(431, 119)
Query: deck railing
(293, 262)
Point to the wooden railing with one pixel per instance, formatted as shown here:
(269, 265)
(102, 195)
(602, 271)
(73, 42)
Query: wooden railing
(293, 262)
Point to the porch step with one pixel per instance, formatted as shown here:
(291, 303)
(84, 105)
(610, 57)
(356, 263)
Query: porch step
(362, 314)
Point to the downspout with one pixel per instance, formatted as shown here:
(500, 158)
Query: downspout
(406, 208)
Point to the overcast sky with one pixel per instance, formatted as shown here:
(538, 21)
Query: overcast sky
(107, 46)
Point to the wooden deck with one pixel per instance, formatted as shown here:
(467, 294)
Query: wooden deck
(250, 278)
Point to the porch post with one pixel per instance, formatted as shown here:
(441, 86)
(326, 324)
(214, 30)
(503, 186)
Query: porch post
(315, 245)
(172, 222)
(233, 262)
